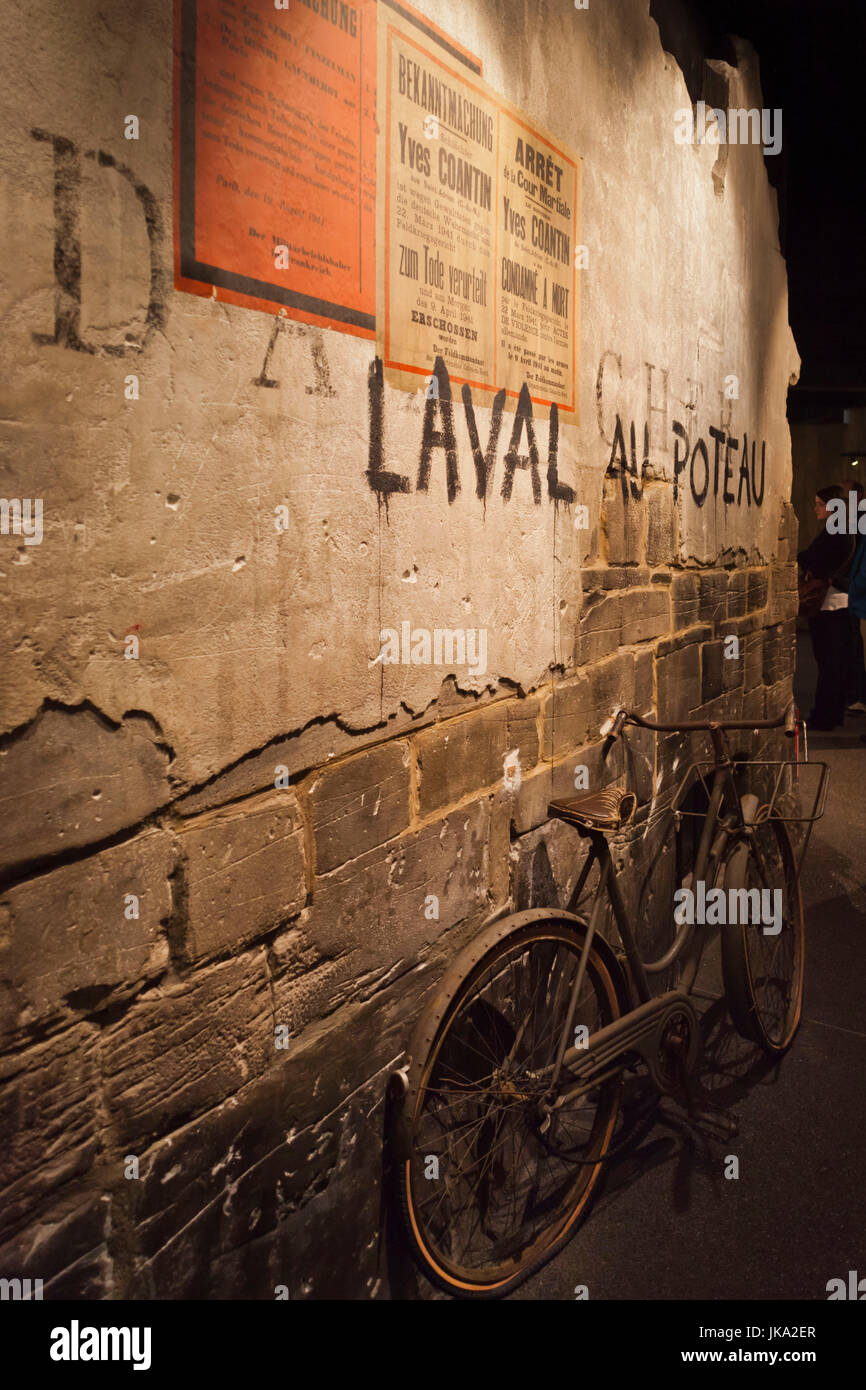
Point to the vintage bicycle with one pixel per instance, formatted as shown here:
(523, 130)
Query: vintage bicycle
(506, 1109)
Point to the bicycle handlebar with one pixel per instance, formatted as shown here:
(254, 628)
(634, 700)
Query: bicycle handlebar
(613, 727)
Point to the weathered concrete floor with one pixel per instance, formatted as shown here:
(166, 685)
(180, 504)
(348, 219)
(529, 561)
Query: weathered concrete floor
(667, 1224)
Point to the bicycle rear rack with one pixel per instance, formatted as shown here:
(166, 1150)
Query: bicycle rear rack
(772, 798)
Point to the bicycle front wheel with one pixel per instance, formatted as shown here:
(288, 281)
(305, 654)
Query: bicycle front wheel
(493, 1186)
(764, 961)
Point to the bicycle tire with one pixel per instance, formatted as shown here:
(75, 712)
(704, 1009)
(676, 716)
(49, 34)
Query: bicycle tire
(511, 937)
(757, 973)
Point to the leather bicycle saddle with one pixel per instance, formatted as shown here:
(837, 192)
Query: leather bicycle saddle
(605, 810)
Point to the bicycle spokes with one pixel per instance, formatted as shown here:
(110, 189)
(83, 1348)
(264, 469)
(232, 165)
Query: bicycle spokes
(486, 1185)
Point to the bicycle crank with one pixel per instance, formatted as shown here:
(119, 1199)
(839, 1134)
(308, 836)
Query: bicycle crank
(665, 1034)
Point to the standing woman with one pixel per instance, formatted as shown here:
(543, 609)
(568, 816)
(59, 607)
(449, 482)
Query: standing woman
(829, 557)
(857, 593)
(857, 673)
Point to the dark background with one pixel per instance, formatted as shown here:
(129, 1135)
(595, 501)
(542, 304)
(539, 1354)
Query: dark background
(812, 66)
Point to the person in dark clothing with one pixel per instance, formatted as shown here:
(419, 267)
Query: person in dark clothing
(857, 673)
(828, 557)
(857, 591)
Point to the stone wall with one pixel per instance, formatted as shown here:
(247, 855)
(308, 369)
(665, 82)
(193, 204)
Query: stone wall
(219, 859)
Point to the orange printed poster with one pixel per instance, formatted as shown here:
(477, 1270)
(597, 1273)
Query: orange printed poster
(478, 230)
(275, 154)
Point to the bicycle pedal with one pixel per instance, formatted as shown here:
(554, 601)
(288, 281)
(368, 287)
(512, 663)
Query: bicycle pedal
(720, 1122)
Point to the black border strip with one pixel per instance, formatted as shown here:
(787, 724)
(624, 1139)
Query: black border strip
(193, 269)
(432, 34)
(263, 289)
(188, 56)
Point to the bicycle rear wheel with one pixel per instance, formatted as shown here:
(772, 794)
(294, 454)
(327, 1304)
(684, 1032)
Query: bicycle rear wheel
(764, 970)
(487, 1193)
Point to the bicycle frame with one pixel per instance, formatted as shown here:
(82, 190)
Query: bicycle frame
(717, 831)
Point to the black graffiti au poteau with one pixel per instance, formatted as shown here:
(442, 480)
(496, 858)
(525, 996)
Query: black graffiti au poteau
(694, 462)
(697, 459)
(727, 466)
